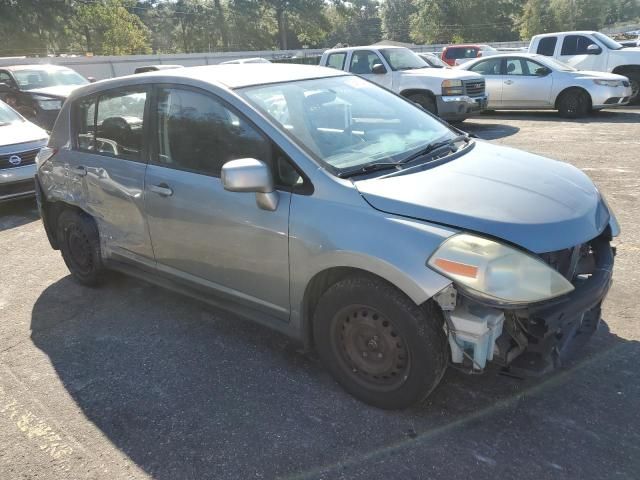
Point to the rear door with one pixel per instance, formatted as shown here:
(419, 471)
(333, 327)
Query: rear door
(105, 168)
(524, 86)
(201, 233)
(491, 70)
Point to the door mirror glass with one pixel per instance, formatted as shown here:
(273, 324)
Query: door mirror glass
(542, 71)
(250, 175)
(4, 88)
(594, 49)
(378, 68)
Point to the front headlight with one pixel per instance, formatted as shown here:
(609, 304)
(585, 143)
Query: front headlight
(452, 87)
(496, 271)
(50, 104)
(608, 83)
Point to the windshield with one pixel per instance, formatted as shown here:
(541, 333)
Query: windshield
(402, 59)
(7, 115)
(609, 42)
(347, 122)
(32, 79)
(556, 64)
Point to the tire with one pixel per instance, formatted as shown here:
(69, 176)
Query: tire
(79, 243)
(574, 104)
(378, 345)
(634, 78)
(425, 101)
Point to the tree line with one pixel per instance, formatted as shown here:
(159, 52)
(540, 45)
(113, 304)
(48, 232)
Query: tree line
(119, 27)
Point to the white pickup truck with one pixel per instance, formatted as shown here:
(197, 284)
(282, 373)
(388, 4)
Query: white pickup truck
(451, 94)
(593, 51)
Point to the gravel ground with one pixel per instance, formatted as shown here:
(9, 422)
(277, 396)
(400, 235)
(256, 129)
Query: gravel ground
(132, 381)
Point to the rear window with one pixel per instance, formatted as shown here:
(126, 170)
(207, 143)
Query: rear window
(336, 60)
(547, 46)
(461, 52)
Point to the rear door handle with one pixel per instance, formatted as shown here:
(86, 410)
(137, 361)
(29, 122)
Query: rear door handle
(508, 82)
(163, 190)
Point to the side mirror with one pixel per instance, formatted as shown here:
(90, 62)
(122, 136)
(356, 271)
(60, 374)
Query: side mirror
(542, 71)
(593, 49)
(250, 175)
(378, 68)
(5, 88)
(91, 79)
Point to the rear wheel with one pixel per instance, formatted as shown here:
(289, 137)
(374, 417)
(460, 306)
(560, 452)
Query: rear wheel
(380, 346)
(425, 101)
(80, 247)
(574, 104)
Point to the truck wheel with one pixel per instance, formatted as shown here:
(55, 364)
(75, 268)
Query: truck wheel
(80, 247)
(574, 104)
(425, 101)
(380, 346)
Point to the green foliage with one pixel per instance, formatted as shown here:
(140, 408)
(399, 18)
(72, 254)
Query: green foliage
(109, 29)
(115, 27)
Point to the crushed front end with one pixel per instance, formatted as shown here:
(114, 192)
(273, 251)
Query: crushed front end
(532, 339)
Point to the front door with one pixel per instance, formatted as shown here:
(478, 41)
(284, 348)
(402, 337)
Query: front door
(526, 84)
(491, 70)
(582, 52)
(202, 233)
(362, 62)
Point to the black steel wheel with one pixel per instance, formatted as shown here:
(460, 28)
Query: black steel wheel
(425, 101)
(380, 346)
(634, 79)
(574, 103)
(80, 246)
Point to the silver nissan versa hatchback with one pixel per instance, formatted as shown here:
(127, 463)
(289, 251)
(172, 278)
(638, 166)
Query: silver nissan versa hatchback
(334, 211)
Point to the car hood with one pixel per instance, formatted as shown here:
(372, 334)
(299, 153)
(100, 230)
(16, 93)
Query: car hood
(58, 91)
(20, 132)
(445, 73)
(535, 202)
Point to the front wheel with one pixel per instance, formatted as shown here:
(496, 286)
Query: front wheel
(574, 104)
(634, 79)
(380, 346)
(425, 101)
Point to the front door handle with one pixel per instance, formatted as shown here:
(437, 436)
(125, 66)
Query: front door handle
(79, 171)
(508, 82)
(163, 190)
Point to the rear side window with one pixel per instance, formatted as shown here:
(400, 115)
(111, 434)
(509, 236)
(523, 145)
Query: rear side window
(336, 60)
(198, 133)
(86, 124)
(547, 46)
(488, 67)
(575, 45)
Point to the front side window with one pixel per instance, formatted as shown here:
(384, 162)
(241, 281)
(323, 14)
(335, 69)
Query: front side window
(336, 60)
(488, 67)
(346, 122)
(199, 133)
(362, 62)
(32, 79)
(576, 45)
(402, 59)
(547, 46)
(119, 123)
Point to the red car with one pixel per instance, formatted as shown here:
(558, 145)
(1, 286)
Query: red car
(463, 53)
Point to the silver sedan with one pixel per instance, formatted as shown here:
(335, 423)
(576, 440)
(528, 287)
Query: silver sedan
(529, 81)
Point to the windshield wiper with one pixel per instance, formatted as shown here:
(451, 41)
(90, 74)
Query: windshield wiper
(432, 147)
(370, 167)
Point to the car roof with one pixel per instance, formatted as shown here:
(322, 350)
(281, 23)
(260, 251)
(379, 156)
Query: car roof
(229, 75)
(35, 66)
(467, 45)
(365, 47)
(576, 32)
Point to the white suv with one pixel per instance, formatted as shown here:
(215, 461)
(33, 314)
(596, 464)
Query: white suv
(450, 94)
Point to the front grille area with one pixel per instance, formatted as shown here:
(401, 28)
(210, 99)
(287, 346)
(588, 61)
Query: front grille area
(17, 188)
(26, 158)
(474, 88)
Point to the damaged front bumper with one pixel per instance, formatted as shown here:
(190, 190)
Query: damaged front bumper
(533, 339)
